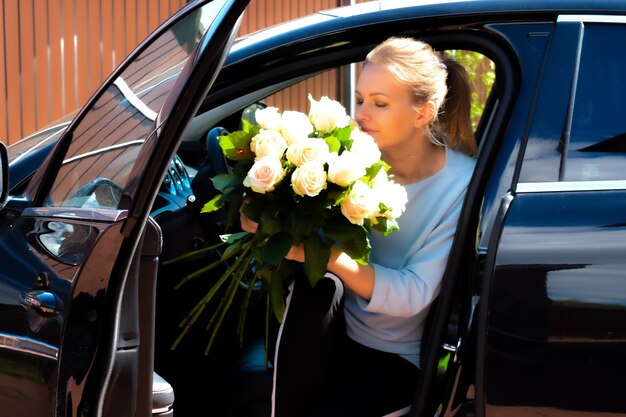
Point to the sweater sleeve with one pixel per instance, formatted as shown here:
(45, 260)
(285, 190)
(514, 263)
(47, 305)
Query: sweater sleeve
(405, 292)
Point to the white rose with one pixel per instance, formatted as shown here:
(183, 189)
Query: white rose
(264, 174)
(309, 150)
(346, 169)
(391, 194)
(360, 203)
(308, 179)
(365, 146)
(268, 118)
(295, 126)
(327, 114)
(396, 200)
(332, 157)
(268, 143)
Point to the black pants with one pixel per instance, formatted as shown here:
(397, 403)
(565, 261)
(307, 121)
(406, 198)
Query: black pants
(320, 372)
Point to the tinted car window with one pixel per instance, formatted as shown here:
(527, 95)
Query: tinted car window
(106, 143)
(597, 145)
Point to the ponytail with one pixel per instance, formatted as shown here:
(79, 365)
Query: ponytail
(454, 119)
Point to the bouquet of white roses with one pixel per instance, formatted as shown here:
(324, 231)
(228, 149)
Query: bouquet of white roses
(313, 179)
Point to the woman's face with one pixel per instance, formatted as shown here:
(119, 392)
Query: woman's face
(385, 108)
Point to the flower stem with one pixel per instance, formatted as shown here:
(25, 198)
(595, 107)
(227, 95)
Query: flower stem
(228, 299)
(243, 313)
(195, 313)
(193, 253)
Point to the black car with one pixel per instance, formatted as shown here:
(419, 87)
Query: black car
(531, 318)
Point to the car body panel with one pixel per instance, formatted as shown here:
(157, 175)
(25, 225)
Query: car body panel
(557, 305)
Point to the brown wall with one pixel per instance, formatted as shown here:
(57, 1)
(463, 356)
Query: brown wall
(55, 53)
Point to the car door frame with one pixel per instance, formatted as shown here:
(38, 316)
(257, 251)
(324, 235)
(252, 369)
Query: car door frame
(85, 390)
(549, 122)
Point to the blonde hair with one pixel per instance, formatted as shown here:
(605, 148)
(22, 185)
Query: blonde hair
(416, 64)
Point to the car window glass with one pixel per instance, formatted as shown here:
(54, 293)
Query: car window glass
(597, 145)
(107, 141)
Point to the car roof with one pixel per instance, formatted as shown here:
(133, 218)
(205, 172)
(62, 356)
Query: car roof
(370, 13)
(455, 7)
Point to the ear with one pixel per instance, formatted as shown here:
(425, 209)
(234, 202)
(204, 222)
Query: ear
(424, 114)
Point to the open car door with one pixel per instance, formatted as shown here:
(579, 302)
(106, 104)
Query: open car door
(78, 248)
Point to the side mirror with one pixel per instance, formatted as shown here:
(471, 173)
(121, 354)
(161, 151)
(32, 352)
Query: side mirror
(4, 174)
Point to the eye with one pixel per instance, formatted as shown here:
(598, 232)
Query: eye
(380, 104)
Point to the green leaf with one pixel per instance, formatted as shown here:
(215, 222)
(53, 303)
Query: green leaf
(276, 248)
(358, 248)
(392, 225)
(333, 143)
(344, 134)
(385, 225)
(340, 230)
(257, 253)
(276, 292)
(301, 225)
(213, 204)
(236, 145)
(373, 170)
(253, 209)
(269, 222)
(316, 256)
(252, 129)
(234, 237)
(233, 215)
(222, 182)
(232, 250)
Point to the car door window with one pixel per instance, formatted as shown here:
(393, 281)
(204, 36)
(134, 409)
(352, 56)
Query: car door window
(596, 150)
(106, 142)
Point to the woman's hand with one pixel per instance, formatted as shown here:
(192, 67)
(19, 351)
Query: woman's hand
(247, 224)
(296, 253)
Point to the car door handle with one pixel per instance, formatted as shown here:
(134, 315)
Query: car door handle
(42, 302)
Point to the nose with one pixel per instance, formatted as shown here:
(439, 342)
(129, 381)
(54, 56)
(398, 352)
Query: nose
(360, 113)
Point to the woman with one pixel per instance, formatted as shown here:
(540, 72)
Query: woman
(381, 307)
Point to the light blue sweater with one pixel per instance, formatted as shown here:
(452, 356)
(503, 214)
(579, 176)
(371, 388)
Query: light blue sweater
(410, 262)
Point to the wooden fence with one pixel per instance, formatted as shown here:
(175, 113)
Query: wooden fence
(55, 53)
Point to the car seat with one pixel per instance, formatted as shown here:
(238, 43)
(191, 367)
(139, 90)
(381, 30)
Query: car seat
(162, 397)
